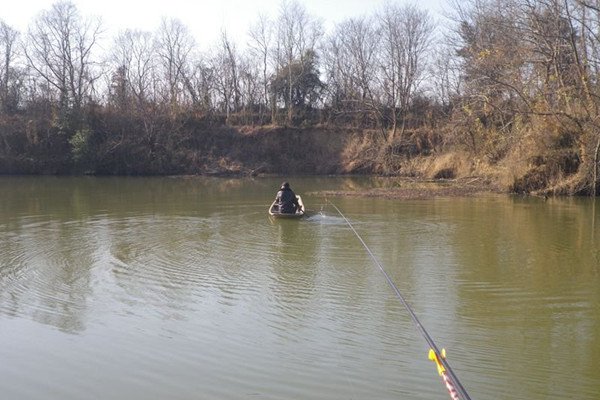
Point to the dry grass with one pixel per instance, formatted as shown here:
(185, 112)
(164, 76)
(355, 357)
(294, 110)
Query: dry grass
(536, 162)
(544, 161)
(448, 166)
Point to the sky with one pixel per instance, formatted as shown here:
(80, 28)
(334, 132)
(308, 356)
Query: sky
(204, 18)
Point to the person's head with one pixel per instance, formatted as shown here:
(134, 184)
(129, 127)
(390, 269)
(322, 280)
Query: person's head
(285, 185)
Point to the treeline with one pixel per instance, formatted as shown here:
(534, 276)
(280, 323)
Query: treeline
(511, 83)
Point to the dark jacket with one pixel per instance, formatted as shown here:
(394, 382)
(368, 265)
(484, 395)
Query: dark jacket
(287, 201)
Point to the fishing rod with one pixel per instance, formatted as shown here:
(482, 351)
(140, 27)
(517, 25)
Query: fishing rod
(455, 388)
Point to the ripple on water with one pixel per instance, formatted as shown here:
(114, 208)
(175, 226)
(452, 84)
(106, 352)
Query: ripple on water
(326, 219)
(44, 276)
(175, 259)
(235, 305)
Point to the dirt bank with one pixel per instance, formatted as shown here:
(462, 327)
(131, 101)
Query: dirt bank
(325, 151)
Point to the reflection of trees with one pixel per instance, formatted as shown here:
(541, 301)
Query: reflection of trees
(512, 282)
(152, 233)
(541, 246)
(532, 280)
(293, 263)
(68, 198)
(159, 262)
(158, 238)
(46, 273)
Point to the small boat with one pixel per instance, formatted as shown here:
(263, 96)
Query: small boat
(274, 210)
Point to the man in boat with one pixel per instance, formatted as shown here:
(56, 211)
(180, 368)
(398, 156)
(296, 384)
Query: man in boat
(286, 199)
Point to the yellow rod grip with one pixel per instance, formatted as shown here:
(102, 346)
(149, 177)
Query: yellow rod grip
(434, 357)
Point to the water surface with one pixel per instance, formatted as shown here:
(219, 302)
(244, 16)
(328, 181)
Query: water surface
(183, 288)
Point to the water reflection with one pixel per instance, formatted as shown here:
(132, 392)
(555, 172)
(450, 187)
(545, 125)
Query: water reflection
(189, 274)
(46, 272)
(528, 276)
(293, 266)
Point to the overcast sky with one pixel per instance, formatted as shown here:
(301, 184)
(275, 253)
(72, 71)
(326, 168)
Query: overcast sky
(204, 18)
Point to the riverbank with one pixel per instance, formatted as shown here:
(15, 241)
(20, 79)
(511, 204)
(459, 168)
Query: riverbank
(210, 148)
(416, 189)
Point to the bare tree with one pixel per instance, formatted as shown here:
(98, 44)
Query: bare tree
(134, 51)
(406, 33)
(351, 65)
(261, 36)
(59, 50)
(446, 77)
(250, 90)
(174, 45)
(583, 17)
(202, 84)
(9, 76)
(297, 36)
(231, 63)
(226, 81)
(530, 69)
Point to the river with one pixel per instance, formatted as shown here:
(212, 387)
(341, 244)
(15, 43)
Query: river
(184, 288)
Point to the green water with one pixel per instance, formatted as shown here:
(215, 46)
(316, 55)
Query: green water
(183, 288)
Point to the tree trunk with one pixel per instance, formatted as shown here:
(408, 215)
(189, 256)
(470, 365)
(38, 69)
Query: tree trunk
(273, 110)
(392, 134)
(290, 88)
(595, 178)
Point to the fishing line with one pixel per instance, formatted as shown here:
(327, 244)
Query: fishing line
(440, 357)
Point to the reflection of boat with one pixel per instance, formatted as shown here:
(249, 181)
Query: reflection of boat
(274, 210)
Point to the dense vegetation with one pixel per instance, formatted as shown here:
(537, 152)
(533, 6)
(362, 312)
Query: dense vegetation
(508, 89)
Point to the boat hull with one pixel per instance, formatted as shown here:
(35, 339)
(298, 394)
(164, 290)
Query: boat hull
(274, 210)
